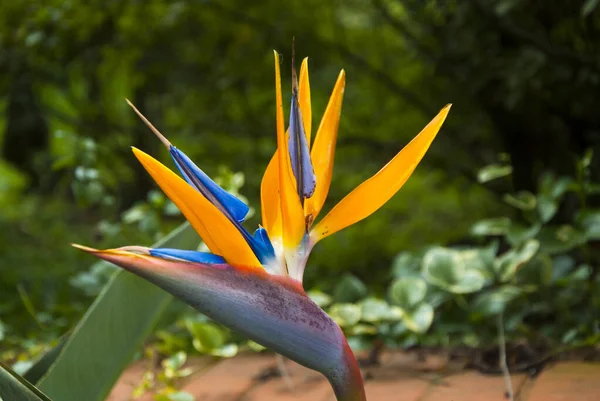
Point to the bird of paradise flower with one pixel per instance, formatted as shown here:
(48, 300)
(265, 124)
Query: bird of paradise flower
(252, 283)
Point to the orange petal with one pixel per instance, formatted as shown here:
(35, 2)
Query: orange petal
(374, 192)
(292, 213)
(269, 199)
(304, 99)
(217, 231)
(323, 150)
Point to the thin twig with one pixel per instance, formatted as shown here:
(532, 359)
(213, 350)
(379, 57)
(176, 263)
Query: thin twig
(285, 374)
(503, 365)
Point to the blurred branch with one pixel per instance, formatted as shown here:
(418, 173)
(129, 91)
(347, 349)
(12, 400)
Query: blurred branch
(401, 28)
(378, 75)
(524, 36)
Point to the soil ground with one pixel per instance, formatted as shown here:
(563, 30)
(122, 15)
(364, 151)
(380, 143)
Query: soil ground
(399, 376)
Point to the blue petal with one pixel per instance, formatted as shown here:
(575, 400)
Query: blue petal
(228, 204)
(299, 153)
(266, 248)
(190, 256)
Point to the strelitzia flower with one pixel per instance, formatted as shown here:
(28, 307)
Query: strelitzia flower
(252, 282)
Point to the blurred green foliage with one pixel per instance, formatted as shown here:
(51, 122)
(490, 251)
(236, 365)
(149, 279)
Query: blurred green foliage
(523, 77)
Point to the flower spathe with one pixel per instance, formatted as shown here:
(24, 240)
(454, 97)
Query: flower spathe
(252, 282)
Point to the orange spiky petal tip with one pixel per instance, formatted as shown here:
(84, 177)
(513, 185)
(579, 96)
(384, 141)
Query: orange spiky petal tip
(377, 190)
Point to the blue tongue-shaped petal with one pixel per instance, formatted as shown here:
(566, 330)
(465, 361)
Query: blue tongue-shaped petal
(232, 207)
(262, 238)
(190, 256)
(227, 203)
(299, 152)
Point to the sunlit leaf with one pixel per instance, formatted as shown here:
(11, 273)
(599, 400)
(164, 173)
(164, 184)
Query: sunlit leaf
(345, 314)
(376, 310)
(408, 292)
(507, 265)
(419, 320)
(493, 171)
(546, 207)
(523, 200)
(494, 226)
(320, 298)
(495, 301)
(444, 268)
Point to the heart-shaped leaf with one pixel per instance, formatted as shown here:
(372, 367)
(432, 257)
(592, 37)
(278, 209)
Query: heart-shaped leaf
(377, 310)
(507, 264)
(345, 314)
(419, 319)
(407, 292)
(349, 289)
(446, 269)
(495, 301)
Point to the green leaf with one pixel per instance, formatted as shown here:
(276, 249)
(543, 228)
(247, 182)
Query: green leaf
(345, 314)
(554, 187)
(407, 292)
(493, 171)
(15, 388)
(523, 200)
(495, 301)
(586, 160)
(494, 226)
(210, 338)
(507, 264)
(518, 233)
(175, 361)
(207, 336)
(111, 332)
(405, 264)
(181, 396)
(546, 207)
(561, 239)
(446, 269)
(41, 366)
(362, 329)
(320, 298)
(377, 310)
(590, 223)
(349, 289)
(562, 265)
(419, 319)
(537, 271)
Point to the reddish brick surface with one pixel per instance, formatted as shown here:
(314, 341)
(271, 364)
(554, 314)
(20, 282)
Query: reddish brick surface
(230, 379)
(400, 376)
(567, 381)
(128, 381)
(471, 386)
(406, 389)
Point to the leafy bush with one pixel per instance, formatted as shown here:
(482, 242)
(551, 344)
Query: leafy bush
(536, 267)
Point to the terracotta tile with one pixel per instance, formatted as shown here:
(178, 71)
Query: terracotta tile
(229, 379)
(402, 388)
(128, 381)
(472, 386)
(303, 390)
(567, 381)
